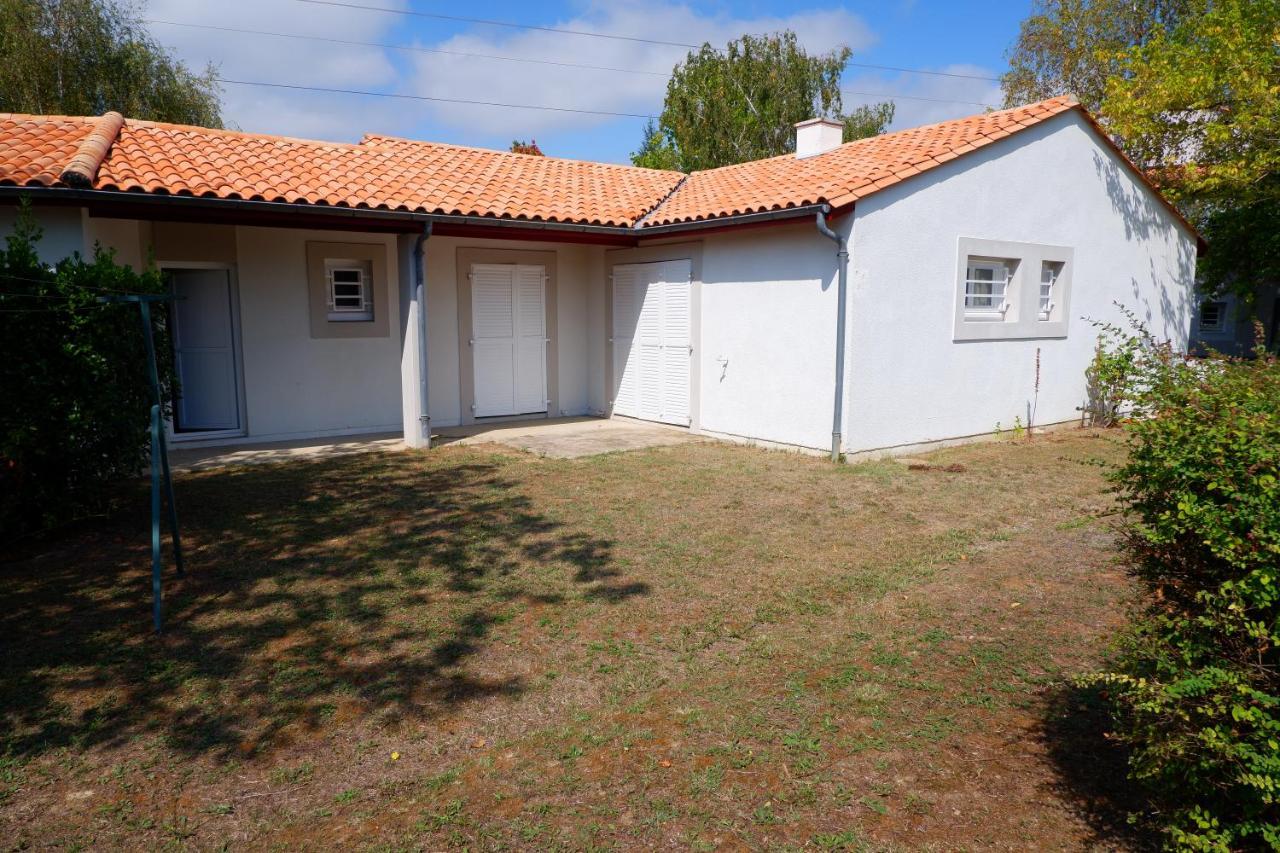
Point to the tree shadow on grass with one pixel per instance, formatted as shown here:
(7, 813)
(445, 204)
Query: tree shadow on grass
(366, 585)
(1092, 771)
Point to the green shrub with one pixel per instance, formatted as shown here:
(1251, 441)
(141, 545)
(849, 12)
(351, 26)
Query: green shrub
(1196, 686)
(75, 414)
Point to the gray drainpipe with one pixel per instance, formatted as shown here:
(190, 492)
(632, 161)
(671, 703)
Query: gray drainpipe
(420, 293)
(842, 274)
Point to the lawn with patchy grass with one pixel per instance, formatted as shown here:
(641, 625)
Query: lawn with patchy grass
(702, 646)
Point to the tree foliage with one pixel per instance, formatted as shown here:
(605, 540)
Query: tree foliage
(77, 397)
(1196, 687)
(1191, 91)
(868, 120)
(519, 146)
(1074, 46)
(84, 57)
(1200, 102)
(742, 103)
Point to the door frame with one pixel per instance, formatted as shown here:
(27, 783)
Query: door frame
(691, 252)
(465, 257)
(237, 352)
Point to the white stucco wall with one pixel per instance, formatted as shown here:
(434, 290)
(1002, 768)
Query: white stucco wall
(767, 336)
(295, 384)
(909, 382)
(63, 229)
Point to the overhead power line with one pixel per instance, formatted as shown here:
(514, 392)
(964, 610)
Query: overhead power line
(887, 97)
(406, 47)
(616, 36)
(429, 98)
(491, 23)
(465, 101)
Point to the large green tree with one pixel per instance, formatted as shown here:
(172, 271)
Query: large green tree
(84, 57)
(1191, 91)
(740, 104)
(1198, 106)
(1075, 46)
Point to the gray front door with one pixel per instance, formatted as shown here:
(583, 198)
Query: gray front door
(205, 353)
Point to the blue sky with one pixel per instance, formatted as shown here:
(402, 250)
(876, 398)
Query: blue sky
(960, 38)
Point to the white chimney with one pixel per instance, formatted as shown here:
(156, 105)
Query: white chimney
(817, 136)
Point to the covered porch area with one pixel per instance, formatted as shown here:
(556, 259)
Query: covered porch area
(556, 438)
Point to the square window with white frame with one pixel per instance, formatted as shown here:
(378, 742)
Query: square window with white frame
(1050, 272)
(350, 290)
(1007, 290)
(986, 289)
(1213, 316)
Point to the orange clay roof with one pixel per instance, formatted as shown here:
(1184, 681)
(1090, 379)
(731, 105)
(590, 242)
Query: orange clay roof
(847, 173)
(422, 177)
(388, 173)
(34, 150)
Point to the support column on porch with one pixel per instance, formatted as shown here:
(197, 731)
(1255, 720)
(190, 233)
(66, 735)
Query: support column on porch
(416, 431)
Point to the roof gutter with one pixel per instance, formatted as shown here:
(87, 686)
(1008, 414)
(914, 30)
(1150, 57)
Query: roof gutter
(193, 203)
(86, 196)
(737, 219)
(842, 276)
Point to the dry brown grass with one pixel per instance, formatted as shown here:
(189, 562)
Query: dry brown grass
(699, 645)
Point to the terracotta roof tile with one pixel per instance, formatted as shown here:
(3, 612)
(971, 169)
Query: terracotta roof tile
(35, 149)
(388, 173)
(844, 174)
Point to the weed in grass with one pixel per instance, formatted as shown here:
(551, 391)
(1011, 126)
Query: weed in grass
(850, 839)
(706, 781)
(916, 804)
(450, 815)
(220, 809)
(764, 815)
(876, 804)
(441, 780)
(293, 775)
(347, 796)
(801, 742)
(661, 811)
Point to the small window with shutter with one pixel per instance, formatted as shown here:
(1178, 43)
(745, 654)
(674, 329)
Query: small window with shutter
(986, 289)
(350, 296)
(1049, 273)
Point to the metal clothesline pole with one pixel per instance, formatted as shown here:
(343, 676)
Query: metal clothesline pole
(159, 451)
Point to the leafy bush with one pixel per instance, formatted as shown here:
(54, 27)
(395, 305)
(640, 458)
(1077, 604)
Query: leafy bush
(75, 415)
(1196, 687)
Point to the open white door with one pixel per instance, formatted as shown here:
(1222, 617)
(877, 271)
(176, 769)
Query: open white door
(204, 352)
(509, 339)
(652, 352)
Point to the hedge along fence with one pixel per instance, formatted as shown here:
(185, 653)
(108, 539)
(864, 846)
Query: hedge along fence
(74, 373)
(1196, 687)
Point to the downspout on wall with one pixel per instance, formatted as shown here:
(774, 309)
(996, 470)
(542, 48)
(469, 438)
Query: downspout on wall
(842, 275)
(420, 294)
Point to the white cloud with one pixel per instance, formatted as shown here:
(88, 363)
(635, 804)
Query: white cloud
(242, 56)
(932, 98)
(443, 76)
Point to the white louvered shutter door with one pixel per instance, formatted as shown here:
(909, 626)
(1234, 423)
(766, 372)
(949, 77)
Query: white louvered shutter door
(627, 294)
(648, 344)
(531, 340)
(676, 340)
(493, 347)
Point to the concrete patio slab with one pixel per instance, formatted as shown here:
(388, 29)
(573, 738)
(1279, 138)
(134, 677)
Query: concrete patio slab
(570, 438)
(558, 438)
(225, 455)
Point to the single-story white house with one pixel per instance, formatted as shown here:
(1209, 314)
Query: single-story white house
(915, 287)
